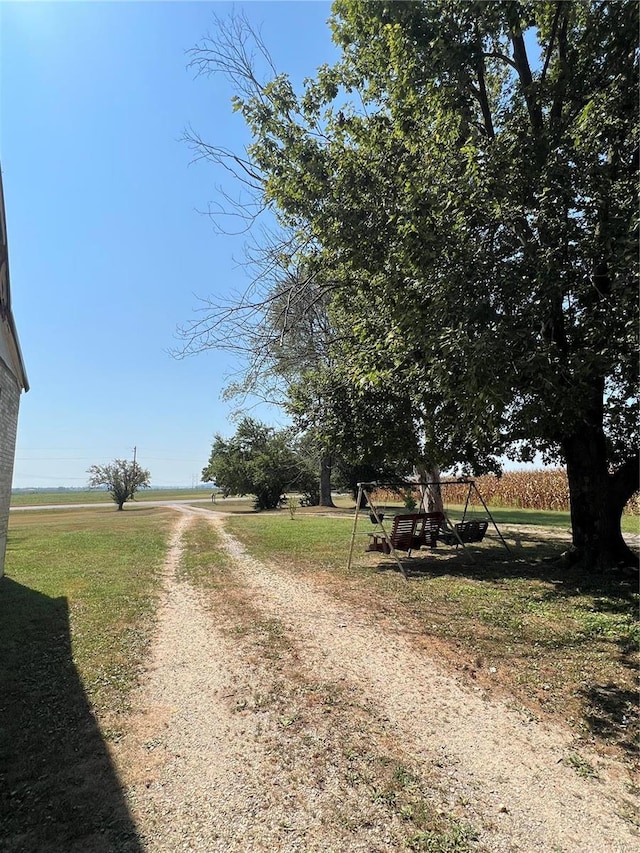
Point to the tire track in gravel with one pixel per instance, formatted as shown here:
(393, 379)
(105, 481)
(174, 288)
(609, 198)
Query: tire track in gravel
(181, 762)
(199, 775)
(508, 767)
(203, 774)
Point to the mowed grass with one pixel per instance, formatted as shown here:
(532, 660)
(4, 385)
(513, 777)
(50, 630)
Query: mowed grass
(106, 566)
(77, 609)
(549, 640)
(510, 515)
(544, 518)
(55, 497)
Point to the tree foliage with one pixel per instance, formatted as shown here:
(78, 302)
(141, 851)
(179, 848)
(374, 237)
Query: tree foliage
(258, 460)
(121, 477)
(284, 329)
(466, 175)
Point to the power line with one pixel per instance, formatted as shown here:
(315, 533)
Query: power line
(49, 476)
(189, 462)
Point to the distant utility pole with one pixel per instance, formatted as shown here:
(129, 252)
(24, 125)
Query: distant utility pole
(134, 456)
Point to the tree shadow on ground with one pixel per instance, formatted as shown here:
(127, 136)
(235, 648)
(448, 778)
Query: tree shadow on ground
(542, 562)
(59, 791)
(595, 602)
(612, 713)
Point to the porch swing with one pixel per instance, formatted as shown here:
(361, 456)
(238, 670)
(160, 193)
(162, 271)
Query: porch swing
(470, 528)
(404, 535)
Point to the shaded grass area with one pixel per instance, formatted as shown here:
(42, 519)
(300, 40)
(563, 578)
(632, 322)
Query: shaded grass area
(545, 518)
(76, 610)
(552, 640)
(323, 738)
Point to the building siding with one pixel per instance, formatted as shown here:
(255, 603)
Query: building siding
(13, 380)
(9, 405)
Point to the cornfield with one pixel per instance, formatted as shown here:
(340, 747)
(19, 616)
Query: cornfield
(544, 489)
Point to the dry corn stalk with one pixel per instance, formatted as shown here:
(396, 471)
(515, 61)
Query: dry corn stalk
(542, 489)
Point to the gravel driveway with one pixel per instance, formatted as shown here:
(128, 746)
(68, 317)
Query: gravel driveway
(267, 722)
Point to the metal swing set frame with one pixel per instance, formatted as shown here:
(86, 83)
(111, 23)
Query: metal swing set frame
(445, 531)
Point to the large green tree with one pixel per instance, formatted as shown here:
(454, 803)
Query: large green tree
(285, 329)
(481, 182)
(257, 460)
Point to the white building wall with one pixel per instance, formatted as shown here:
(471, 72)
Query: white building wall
(9, 405)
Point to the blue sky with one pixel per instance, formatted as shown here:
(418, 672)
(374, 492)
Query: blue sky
(107, 250)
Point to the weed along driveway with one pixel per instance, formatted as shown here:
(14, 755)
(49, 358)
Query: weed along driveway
(277, 715)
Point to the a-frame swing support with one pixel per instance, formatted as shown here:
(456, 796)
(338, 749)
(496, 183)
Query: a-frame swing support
(366, 488)
(363, 491)
(472, 485)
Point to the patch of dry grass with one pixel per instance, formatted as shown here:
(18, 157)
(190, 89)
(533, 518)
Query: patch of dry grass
(550, 640)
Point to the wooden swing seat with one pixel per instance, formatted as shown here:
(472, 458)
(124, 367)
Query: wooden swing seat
(468, 531)
(409, 532)
(427, 528)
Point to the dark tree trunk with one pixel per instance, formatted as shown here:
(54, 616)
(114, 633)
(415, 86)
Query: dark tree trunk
(597, 500)
(325, 480)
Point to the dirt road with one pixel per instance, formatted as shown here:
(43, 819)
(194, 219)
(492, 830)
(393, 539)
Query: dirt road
(275, 718)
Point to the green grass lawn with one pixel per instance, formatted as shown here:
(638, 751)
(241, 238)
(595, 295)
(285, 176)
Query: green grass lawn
(105, 567)
(513, 515)
(77, 608)
(344, 504)
(99, 496)
(543, 518)
(78, 602)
